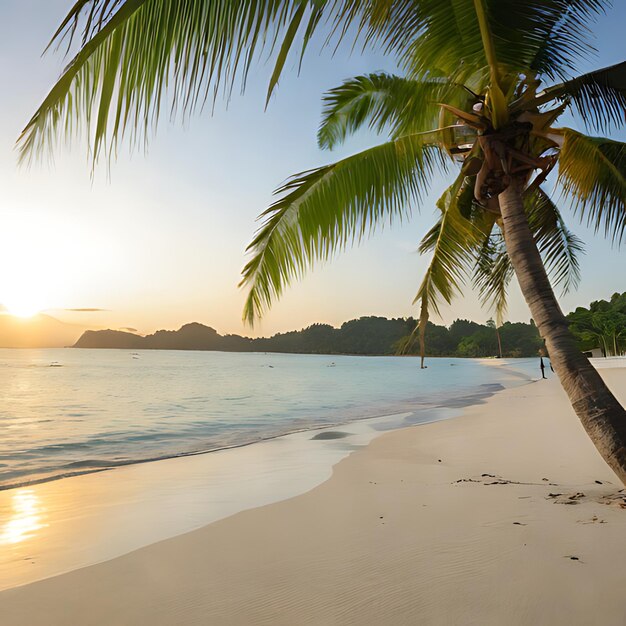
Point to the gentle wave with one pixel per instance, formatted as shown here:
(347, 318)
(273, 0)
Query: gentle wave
(90, 466)
(105, 410)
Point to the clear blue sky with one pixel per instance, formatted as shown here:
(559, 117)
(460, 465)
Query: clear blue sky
(162, 241)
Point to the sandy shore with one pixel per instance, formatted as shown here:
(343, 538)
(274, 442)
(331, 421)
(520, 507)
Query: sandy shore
(455, 522)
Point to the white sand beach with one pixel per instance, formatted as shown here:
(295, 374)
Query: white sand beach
(506, 515)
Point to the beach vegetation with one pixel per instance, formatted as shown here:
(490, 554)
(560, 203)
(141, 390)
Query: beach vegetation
(602, 325)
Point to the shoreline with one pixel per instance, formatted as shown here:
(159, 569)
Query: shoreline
(285, 466)
(458, 402)
(452, 522)
(408, 405)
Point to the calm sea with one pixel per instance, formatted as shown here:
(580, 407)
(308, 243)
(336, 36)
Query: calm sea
(73, 411)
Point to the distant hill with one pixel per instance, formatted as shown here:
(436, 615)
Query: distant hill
(366, 336)
(192, 336)
(109, 339)
(39, 331)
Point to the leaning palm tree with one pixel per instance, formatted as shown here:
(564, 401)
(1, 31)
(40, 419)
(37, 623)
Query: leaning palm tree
(483, 85)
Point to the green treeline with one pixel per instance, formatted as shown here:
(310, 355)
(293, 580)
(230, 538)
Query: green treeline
(379, 335)
(366, 335)
(602, 325)
(469, 339)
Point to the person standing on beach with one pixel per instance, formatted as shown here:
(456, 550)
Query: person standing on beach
(543, 367)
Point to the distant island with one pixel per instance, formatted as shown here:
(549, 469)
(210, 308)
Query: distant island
(363, 336)
(602, 326)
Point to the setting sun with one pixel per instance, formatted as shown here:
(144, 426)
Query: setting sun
(22, 308)
(43, 271)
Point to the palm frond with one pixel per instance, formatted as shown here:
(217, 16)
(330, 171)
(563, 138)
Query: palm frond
(496, 100)
(93, 15)
(385, 102)
(137, 51)
(136, 55)
(448, 41)
(492, 275)
(599, 97)
(592, 174)
(552, 35)
(543, 37)
(558, 246)
(453, 241)
(323, 210)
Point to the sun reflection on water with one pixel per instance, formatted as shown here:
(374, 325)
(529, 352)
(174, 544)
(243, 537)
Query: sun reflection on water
(24, 517)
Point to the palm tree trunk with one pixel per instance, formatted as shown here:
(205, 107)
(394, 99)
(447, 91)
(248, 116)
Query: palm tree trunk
(601, 414)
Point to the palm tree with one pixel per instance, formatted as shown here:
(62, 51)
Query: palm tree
(471, 101)
(494, 325)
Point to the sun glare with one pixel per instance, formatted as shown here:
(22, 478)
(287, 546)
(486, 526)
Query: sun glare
(22, 309)
(47, 263)
(21, 304)
(24, 519)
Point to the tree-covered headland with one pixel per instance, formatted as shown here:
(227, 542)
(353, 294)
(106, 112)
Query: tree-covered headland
(602, 325)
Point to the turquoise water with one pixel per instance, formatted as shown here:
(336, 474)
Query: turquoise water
(73, 411)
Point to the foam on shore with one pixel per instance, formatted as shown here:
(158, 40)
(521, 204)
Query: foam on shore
(55, 527)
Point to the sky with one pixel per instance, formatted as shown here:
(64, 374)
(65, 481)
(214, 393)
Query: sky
(160, 239)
